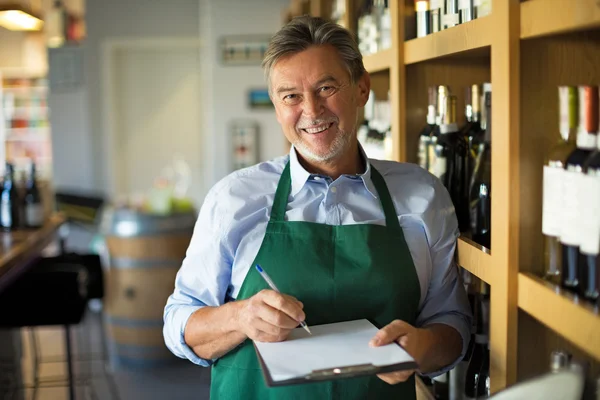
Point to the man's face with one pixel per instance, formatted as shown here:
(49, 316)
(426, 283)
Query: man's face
(317, 104)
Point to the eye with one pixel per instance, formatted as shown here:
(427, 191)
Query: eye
(326, 90)
(291, 99)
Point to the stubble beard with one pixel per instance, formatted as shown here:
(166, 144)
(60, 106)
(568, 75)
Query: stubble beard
(337, 147)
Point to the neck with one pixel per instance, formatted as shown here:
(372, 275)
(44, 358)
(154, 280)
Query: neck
(351, 163)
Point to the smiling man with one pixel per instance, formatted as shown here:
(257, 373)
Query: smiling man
(343, 236)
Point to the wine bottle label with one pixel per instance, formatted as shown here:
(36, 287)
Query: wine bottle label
(449, 20)
(439, 167)
(571, 208)
(590, 223)
(434, 4)
(552, 208)
(34, 214)
(423, 145)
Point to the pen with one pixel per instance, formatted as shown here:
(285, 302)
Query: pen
(271, 284)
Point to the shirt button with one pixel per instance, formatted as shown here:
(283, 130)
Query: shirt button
(333, 189)
(316, 178)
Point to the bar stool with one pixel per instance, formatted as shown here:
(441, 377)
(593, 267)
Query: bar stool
(45, 297)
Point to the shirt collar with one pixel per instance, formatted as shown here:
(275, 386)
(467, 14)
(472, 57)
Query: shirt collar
(300, 176)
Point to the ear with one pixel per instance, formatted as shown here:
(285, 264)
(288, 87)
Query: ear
(364, 88)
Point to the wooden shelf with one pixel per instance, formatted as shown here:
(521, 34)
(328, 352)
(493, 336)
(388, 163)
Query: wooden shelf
(475, 259)
(548, 17)
(466, 37)
(380, 61)
(577, 321)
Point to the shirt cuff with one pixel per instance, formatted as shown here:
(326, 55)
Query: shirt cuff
(179, 318)
(459, 323)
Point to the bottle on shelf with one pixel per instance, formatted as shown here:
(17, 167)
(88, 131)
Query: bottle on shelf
(428, 131)
(574, 189)
(32, 201)
(559, 360)
(450, 14)
(9, 201)
(477, 379)
(590, 240)
(554, 167)
(480, 200)
(435, 167)
(465, 11)
(435, 15)
(423, 18)
(367, 29)
(384, 24)
(472, 130)
(451, 162)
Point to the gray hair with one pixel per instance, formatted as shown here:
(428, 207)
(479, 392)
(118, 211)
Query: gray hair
(306, 31)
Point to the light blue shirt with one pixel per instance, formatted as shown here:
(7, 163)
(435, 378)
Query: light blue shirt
(233, 220)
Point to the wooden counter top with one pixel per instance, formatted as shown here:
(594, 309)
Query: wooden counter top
(19, 248)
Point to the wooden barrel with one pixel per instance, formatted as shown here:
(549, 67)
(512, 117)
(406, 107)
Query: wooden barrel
(145, 253)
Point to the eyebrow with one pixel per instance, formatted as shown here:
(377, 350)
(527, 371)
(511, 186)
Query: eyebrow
(321, 81)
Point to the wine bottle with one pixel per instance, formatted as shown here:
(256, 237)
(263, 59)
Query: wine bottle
(553, 173)
(450, 14)
(590, 240)
(559, 360)
(9, 201)
(433, 167)
(480, 200)
(32, 202)
(428, 131)
(574, 189)
(451, 155)
(465, 11)
(472, 131)
(423, 18)
(477, 379)
(440, 387)
(435, 15)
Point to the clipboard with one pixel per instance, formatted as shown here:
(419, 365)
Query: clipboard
(332, 352)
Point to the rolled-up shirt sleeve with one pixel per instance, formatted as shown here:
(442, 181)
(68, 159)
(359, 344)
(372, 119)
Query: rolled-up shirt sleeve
(203, 278)
(446, 301)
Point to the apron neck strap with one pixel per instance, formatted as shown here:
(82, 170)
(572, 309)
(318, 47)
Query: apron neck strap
(285, 186)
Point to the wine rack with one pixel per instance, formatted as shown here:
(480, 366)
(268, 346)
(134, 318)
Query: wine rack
(525, 49)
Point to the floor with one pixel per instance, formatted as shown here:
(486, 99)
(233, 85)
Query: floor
(187, 380)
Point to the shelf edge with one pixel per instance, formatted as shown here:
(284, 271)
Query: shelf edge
(557, 17)
(475, 259)
(576, 321)
(378, 62)
(469, 36)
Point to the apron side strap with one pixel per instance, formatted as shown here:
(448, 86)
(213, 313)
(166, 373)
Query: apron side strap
(391, 217)
(281, 195)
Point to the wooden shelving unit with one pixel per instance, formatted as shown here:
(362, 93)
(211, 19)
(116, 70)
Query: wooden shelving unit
(550, 17)
(466, 38)
(562, 312)
(525, 49)
(475, 259)
(378, 62)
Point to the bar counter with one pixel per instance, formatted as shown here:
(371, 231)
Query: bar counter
(19, 248)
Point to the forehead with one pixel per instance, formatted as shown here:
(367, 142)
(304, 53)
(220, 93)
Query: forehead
(309, 66)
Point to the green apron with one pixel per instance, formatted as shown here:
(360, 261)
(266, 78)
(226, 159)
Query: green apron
(340, 273)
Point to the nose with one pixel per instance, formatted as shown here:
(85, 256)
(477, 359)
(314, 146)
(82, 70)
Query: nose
(313, 106)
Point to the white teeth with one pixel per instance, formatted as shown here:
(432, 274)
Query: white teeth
(316, 130)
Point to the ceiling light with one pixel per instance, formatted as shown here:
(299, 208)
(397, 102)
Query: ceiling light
(17, 18)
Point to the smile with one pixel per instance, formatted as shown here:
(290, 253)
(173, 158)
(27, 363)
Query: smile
(318, 129)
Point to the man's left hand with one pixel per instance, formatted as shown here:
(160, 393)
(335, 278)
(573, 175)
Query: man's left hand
(415, 341)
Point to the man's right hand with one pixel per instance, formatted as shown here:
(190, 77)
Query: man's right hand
(269, 316)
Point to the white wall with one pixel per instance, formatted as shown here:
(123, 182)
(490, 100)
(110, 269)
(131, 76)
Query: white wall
(223, 88)
(228, 85)
(126, 19)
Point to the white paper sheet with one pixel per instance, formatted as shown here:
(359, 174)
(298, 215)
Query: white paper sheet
(341, 344)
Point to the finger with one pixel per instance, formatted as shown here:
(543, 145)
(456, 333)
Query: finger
(276, 318)
(284, 304)
(266, 332)
(393, 378)
(389, 333)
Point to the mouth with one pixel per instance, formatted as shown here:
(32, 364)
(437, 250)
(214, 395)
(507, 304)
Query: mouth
(317, 129)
